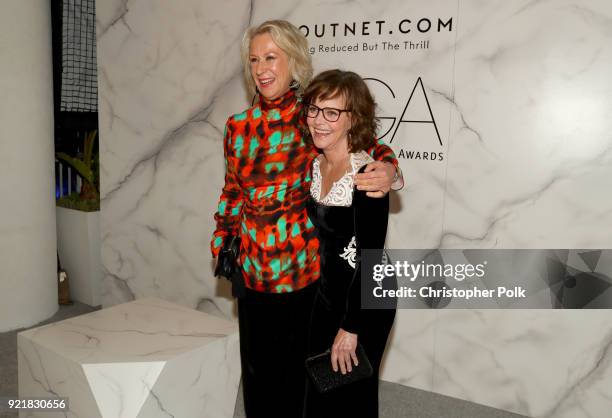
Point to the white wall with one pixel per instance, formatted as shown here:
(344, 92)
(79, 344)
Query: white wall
(520, 92)
(78, 238)
(28, 277)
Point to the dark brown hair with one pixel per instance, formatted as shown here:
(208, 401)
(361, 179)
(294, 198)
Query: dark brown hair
(358, 99)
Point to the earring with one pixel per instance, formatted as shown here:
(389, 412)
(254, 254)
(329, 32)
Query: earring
(294, 85)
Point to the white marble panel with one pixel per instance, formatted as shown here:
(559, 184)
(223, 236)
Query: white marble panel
(165, 70)
(527, 163)
(534, 362)
(531, 148)
(519, 91)
(410, 356)
(44, 373)
(212, 374)
(146, 358)
(122, 388)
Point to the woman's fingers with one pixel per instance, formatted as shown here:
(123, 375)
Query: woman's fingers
(370, 181)
(343, 351)
(343, 359)
(342, 363)
(338, 359)
(334, 359)
(347, 360)
(377, 178)
(354, 357)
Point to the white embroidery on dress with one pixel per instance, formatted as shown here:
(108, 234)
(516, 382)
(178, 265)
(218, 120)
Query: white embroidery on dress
(341, 192)
(349, 252)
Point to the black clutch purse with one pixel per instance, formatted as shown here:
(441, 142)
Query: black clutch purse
(325, 379)
(228, 265)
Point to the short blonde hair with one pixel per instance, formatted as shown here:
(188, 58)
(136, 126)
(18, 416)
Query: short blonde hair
(291, 41)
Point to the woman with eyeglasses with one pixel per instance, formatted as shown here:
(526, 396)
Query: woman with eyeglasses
(263, 202)
(340, 114)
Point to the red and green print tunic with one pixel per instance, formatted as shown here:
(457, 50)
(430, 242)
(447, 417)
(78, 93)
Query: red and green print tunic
(267, 183)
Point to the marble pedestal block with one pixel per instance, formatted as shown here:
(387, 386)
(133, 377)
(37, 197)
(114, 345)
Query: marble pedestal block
(146, 358)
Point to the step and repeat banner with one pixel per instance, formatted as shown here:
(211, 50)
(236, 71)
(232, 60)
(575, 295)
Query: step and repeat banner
(498, 113)
(406, 53)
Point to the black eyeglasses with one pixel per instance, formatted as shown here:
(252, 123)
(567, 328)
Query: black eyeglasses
(329, 113)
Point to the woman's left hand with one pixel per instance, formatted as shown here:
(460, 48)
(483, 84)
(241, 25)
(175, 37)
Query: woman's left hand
(377, 178)
(343, 351)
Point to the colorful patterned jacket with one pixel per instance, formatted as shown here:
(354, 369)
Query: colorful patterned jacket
(267, 183)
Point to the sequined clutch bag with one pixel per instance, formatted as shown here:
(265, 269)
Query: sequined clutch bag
(325, 379)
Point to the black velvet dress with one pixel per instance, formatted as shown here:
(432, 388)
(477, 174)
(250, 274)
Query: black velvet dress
(343, 232)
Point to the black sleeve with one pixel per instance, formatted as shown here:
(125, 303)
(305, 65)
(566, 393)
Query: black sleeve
(371, 216)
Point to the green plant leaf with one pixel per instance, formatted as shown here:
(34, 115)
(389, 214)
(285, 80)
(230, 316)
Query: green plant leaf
(83, 169)
(90, 139)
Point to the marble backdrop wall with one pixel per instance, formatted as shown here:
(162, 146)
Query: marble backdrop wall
(498, 112)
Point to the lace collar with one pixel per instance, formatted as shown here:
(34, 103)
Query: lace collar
(341, 192)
